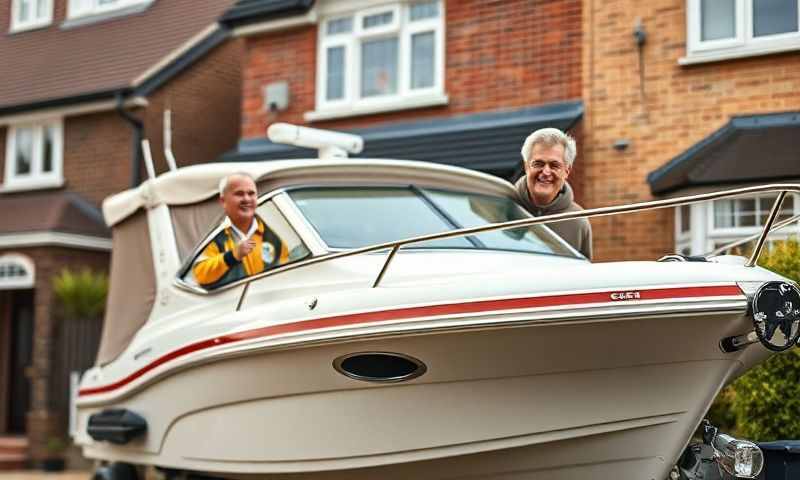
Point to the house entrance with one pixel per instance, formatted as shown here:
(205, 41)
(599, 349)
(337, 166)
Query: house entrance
(16, 348)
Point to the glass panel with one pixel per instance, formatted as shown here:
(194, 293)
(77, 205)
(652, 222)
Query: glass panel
(278, 245)
(686, 218)
(372, 21)
(723, 214)
(422, 57)
(334, 85)
(357, 217)
(787, 209)
(24, 11)
(24, 151)
(747, 212)
(718, 19)
(379, 67)
(423, 10)
(41, 8)
(340, 25)
(771, 17)
(473, 210)
(48, 149)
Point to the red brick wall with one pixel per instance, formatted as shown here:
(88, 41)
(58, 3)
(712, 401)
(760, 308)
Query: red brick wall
(683, 105)
(206, 103)
(499, 55)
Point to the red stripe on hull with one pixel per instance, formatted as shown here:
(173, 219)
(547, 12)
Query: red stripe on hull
(417, 312)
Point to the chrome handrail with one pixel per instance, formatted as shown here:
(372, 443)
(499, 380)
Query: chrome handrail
(525, 222)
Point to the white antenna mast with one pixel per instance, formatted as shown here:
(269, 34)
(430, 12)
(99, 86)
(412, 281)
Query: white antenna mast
(329, 144)
(148, 159)
(168, 140)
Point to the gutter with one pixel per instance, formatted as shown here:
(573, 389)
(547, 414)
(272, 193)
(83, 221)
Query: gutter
(138, 134)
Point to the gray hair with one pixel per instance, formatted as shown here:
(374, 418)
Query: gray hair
(223, 182)
(550, 137)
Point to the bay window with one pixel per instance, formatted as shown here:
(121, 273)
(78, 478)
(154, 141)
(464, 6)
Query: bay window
(719, 29)
(380, 57)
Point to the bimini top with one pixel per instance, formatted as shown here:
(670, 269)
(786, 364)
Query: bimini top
(194, 184)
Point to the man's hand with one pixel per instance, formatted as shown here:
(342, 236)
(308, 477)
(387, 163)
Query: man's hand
(244, 247)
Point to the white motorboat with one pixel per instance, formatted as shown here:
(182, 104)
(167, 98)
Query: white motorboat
(422, 326)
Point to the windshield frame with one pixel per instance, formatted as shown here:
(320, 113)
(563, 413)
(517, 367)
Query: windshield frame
(423, 193)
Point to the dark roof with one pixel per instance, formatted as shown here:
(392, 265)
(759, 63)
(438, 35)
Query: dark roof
(88, 61)
(488, 142)
(748, 149)
(53, 211)
(252, 11)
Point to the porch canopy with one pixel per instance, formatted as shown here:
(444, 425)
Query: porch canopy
(748, 150)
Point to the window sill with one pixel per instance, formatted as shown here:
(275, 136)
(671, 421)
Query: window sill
(30, 26)
(31, 185)
(738, 52)
(396, 104)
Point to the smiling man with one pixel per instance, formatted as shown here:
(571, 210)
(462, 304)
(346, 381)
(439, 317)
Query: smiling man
(548, 155)
(244, 248)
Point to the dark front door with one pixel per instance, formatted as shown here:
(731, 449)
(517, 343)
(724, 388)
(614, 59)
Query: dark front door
(21, 340)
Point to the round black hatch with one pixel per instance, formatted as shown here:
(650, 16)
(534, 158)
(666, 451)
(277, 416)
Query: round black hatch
(383, 367)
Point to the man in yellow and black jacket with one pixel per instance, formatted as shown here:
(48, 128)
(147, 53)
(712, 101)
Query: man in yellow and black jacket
(244, 248)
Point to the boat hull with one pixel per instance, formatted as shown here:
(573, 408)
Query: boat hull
(603, 397)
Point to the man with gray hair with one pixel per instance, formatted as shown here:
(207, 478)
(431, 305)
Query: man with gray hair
(548, 155)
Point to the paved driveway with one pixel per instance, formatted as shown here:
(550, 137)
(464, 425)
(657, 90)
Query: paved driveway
(39, 475)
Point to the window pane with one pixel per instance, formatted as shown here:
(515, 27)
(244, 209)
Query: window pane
(48, 149)
(340, 25)
(24, 151)
(774, 16)
(718, 19)
(423, 10)
(723, 214)
(474, 210)
(379, 67)
(422, 56)
(787, 209)
(747, 213)
(334, 85)
(357, 217)
(686, 218)
(372, 21)
(24, 11)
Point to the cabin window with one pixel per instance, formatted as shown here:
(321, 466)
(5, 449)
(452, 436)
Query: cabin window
(34, 154)
(717, 223)
(276, 244)
(29, 14)
(350, 217)
(719, 29)
(381, 57)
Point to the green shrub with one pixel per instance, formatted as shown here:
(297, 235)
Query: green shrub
(766, 400)
(81, 295)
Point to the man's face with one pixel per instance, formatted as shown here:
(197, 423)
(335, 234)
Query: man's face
(546, 171)
(239, 200)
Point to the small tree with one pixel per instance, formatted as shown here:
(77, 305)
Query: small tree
(765, 401)
(82, 295)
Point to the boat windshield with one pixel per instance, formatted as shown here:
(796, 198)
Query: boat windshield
(354, 217)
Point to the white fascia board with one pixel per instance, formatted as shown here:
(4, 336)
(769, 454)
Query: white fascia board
(54, 239)
(68, 111)
(309, 18)
(175, 54)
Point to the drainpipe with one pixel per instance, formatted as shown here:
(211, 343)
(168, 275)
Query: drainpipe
(138, 134)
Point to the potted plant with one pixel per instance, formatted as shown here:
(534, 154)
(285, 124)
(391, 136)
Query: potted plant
(54, 462)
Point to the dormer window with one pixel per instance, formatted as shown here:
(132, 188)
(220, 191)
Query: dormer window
(82, 8)
(30, 14)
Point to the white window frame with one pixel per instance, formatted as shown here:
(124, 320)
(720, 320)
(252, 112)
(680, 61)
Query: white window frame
(743, 44)
(19, 26)
(76, 8)
(18, 283)
(36, 179)
(703, 235)
(352, 103)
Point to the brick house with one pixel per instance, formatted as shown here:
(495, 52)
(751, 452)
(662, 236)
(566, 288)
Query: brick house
(83, 82)
(455, 82)
(709, 100)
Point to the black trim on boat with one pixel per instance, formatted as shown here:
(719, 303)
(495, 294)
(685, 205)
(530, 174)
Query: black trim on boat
(118, 426)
